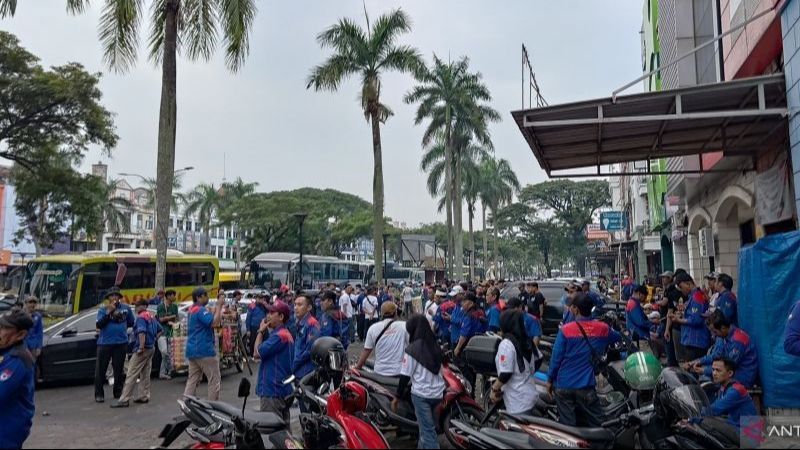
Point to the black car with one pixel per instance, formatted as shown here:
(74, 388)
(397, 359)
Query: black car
(69, 350)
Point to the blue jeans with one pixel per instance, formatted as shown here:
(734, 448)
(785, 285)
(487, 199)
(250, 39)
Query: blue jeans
(424, 408)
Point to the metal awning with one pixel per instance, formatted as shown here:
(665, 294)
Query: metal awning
(740, 118)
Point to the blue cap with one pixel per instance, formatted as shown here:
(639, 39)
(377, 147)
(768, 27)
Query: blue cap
(199, 292)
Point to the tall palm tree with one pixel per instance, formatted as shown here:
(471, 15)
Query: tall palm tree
(450, 97)
(500, 183)
(205, 202)
(112, 211)
(369, 54)
(194, 26)
(178, 197)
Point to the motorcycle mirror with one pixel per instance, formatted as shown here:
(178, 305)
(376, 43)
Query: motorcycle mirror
(289, 380)
(244, 388)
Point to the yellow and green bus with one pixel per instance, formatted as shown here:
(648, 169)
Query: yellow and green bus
(229, 281)
(69, 283)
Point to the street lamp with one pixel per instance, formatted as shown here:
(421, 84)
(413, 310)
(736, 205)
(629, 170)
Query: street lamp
(301, 218)
(238, 240)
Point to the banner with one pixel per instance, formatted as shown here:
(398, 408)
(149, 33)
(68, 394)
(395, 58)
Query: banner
(774, 201)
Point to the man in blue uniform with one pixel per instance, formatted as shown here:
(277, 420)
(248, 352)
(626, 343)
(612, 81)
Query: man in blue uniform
(35, 337)
(695, 337)
(635, 319)
(493, 309)
(256, 313)
(473, 323)
(16, 380)
(275, 347)
(333, 322)
(201, 345)
(791, 335)
(308, 331)
(572, 365)
(145, 332)
(726, 302)
(113, 321)
(456, 317)
(732, 400)
(732, 344)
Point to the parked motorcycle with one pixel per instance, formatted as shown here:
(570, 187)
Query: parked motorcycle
(457, 403)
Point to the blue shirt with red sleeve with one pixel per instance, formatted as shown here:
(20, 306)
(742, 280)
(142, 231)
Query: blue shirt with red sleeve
(16, 396)
(636, 321)
(200, 341)
(571, 363)
(145, 324)
(308, 331)
(456, 317)
(726, 302)
(474, 323)
(532, 326)
(734, 402)
(493, 315)
(791, 335)
(739, 348)
(694, 333)
(277, 356)
(335, 325)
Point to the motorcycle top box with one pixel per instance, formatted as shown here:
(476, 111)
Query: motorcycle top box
(480, 352)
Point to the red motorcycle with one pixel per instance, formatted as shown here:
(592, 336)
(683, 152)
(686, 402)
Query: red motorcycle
(457, 403)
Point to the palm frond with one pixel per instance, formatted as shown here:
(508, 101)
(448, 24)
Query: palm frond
(158, 19)
(200, 31)
(237, 22)
(73, 6)
(8, 8)
(119, 33)
(346, 37)
(329, 75)
(402, 59)
(386, 30)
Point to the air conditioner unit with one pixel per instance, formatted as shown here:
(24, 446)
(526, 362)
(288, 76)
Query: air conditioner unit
(706, 240)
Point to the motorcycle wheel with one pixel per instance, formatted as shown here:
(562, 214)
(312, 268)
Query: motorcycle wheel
(467, 414)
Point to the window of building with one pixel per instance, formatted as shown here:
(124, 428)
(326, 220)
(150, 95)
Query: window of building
(197, 227)
(180, 224)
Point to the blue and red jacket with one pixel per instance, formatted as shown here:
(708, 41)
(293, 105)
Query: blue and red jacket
(791, 336)
(532, 326)
(148, 325)
(694, 333)
(336, 325)
(739, 348)
(200, 342)
(456, 317)
(308, 330)
(474, 322)
(256, 313)
(35, 337)
(277, 355)
(571, 364)
(442, 324)
(726, 302)
(493, 315)
(635, 320)
(733, 401)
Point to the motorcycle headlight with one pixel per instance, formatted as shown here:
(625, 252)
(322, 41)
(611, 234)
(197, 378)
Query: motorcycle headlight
(465, 382)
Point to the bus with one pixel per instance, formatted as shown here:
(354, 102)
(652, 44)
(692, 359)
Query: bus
(70, 283)
(270, 270)
(229, 281)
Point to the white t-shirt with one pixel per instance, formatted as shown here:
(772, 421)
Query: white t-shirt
(370, 307)
(407, 293)
(424, 383)
(430, 310)
(345, 305)
(519, 394)
(393, 343)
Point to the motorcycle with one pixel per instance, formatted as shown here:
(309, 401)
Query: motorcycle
(491, 439)
(344, 425)
(219, 425)
(457, 403)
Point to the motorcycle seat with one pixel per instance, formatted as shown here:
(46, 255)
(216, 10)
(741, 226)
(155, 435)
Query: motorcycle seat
(261, 420)
(511, 439)
(589, 434)
(385, 381)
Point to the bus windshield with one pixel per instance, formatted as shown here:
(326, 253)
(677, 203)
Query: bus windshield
(270, 274)
(49, 282)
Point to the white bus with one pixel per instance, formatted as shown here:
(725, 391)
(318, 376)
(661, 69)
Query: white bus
(270, 270)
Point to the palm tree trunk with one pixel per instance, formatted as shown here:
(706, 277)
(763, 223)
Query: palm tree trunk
(166, 138)
(485, 240)
(100, 232)
(471, 211)
(458, 202)
(448, 171)
(377, 193)
(494, 245)
(207, 237)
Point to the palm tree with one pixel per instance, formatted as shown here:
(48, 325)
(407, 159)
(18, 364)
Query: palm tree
(112, 211)
(194, 26)
(205, 202)
(499, 185)
(232, 193)
(450, 98)
(178, 197)
(369, 54)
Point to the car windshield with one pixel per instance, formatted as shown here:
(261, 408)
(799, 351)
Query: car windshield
(49, 282)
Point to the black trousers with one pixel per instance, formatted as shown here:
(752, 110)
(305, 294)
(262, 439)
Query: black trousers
(361, 323)
(116, 355)
(251, 342)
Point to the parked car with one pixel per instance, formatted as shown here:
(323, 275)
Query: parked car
(69, 350)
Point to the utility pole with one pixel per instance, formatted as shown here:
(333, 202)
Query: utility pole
(385, 235)
(301, 217)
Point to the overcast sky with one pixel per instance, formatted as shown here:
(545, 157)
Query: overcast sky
(274, 131)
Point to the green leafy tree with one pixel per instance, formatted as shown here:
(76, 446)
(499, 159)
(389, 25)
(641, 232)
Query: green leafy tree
(111, 209)
(194, 26)
(450, 97)
(178, 197)
(497, 189)
(44, 107)
(369, 54)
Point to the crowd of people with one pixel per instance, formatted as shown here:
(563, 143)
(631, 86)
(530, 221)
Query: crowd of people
(694, 326)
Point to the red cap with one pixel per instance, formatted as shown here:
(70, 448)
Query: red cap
(284, 288)
(280, 308)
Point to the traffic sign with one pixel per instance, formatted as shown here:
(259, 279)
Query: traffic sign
(612, 221)
(231, 242)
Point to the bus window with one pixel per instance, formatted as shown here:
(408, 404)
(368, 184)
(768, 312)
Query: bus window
(49, 282)
(97, 277)
(203, 274)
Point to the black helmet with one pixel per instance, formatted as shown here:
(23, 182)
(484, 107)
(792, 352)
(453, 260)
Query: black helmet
(328, 353)
(678, 396)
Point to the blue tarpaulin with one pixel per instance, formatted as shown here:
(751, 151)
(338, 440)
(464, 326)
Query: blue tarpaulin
(769, 285)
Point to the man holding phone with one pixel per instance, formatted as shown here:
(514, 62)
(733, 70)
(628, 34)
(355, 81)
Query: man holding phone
(112, 324)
